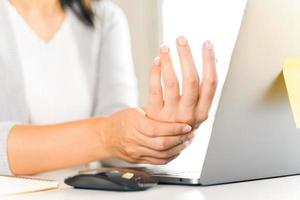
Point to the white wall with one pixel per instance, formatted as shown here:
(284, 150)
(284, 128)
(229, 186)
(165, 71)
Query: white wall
(143, 17)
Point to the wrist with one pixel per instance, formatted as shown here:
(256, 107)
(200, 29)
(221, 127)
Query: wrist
(99, 130)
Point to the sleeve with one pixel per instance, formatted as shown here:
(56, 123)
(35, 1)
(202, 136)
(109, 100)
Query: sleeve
(5, 128)
(116, 82)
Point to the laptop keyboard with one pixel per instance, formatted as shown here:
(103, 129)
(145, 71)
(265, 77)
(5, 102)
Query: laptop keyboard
(161, 172)
(173, 173)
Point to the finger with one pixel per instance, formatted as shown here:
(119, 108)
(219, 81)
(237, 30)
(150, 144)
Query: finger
(152, 128)
(163, 154)
(157, 161)
(209, 81)
(190, 85)
(171, 85)
(156, 96)
(164, 143)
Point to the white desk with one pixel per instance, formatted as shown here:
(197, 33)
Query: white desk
(287, 188)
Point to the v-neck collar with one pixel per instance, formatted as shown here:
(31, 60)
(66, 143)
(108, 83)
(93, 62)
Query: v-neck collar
(33, 34)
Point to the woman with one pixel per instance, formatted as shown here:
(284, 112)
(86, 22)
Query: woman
(65, 67)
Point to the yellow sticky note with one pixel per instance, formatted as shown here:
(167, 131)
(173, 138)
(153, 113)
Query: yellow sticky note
(291, 72)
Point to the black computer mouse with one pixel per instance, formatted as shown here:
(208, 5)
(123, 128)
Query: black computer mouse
(116, 179)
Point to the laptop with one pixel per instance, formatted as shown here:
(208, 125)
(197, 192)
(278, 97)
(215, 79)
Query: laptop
(253, 134)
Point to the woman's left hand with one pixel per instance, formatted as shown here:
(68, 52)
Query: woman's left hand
(192, 107)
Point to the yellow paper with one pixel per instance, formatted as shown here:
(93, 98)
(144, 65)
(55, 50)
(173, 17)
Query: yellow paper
(291, 72)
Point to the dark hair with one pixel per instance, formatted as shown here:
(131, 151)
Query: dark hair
(82, 9)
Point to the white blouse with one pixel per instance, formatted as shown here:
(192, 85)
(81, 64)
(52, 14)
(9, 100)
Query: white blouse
(82, 72)
(55, 86)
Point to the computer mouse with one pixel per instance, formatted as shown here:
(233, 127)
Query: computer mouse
(116, 179)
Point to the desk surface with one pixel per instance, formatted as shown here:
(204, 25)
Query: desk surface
(279, 188)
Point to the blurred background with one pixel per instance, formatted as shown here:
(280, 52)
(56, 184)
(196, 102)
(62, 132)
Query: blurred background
(144, 18)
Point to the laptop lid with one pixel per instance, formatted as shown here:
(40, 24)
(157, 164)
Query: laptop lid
(254, 134)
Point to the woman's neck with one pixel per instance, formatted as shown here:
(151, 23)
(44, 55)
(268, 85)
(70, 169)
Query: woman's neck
(44, 17)
(46, 7)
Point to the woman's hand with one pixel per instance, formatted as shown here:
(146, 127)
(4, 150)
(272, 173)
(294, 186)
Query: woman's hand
(193, 105)
(131, 136)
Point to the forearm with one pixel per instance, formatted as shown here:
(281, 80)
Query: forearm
(127, 135)
(35, 149)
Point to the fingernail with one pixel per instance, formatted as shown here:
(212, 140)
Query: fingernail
(187, 143)
(187, 129)
(208, 45)
(191, 136)
(182, 41)
(164, 49)
(157, 61)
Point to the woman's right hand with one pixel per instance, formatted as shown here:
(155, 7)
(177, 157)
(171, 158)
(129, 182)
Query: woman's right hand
(131, 136)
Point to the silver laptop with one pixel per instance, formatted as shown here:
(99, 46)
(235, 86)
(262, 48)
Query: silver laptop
(253, 134)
